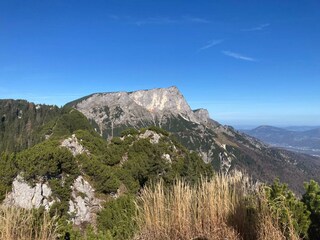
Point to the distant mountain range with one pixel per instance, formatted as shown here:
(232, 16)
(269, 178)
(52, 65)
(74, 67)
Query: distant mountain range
(299, 139)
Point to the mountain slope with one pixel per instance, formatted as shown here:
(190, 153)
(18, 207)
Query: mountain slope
(223, 146)
(307, 141)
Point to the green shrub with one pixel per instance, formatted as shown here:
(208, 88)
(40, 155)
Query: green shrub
(118, 218)
(92, 141)
(129, 131)
(287, 207)
(68, 231)
(103, 176)
(8, 171)
(46, 160)
(158, 130)
(311, 198)
(70, 121)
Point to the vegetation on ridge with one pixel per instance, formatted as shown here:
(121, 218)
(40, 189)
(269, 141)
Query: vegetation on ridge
(152, 187)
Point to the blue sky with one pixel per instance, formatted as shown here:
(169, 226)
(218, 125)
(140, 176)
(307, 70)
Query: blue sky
(247, 62)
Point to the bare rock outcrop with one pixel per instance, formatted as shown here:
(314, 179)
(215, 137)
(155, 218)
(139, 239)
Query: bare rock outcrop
(153, 136)
(74, 146)
(202, 115)
(83, 204)
(25, 196)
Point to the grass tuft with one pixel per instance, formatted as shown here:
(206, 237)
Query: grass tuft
(225, 207)
(22, 224)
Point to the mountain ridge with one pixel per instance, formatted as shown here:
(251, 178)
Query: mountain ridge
(109, 114)
(223, 146)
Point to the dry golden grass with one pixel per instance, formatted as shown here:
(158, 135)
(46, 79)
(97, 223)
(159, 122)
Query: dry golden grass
(21, 224)
(224, 208)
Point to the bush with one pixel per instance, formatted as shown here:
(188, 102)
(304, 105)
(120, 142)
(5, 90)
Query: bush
(8, 171)
(311, 199)
(103, 176)
(118, 218)
(158, 130)
(92, 141)
(46, 160)
(70, 121)
(292, 213)
(129, 131)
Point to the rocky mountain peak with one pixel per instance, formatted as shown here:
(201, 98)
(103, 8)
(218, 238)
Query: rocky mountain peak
(139, 109)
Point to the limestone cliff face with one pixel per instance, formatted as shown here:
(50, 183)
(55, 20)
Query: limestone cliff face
(163, 100)
(140, 108)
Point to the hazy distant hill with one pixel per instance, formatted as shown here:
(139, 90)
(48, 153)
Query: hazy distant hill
(301, 128)
(303, 139)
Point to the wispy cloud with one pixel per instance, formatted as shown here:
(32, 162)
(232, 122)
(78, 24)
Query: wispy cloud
(155, 21)
(210, 44)
(238, 56)
(196, 20)
(168, 20)
(258, 28)
(158, 20)
(114, 17)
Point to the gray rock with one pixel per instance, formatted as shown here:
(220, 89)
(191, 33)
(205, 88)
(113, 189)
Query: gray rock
(202, 115)
(155, 106)
(153, 136)
(83, 204)
(167, 157)
(74, 146)
(25, 196)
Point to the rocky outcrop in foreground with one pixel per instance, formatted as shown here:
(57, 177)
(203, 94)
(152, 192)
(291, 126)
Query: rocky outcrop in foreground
(25, 196)
(83, 204)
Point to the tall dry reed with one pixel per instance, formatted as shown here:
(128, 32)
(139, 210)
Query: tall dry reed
(22, 224)
(226, 207)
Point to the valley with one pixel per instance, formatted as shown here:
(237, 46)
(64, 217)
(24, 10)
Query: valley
(298, 139)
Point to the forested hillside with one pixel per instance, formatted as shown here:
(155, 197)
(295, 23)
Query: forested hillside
(21, 122)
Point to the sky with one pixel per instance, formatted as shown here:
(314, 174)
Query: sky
(248, 62)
